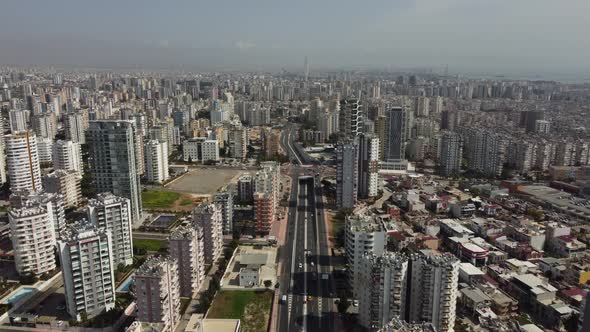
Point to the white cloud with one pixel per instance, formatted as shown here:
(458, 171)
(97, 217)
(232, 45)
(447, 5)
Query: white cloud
(244, 45)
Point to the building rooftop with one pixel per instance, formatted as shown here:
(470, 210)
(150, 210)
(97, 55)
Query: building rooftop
(182, 233)
(153, 266)
(80, 230)
(252, 259)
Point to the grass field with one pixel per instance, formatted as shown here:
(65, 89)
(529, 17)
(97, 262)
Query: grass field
(149, 245)
(157, 199)
(251, 307)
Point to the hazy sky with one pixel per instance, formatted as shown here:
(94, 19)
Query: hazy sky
(492, 35)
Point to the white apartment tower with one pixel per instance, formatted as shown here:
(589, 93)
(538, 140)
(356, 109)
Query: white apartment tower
(66, 183)
(23, 162)
(18, 120)
(208, 220)
(85, 253)
(67, 155)
(363, 234)
(74, 126)
(157, 292)
(23, 198)
(187, 245)
(33, 238)
(113, 213)
(156, 161)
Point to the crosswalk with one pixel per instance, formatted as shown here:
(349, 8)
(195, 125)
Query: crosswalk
(289, 305)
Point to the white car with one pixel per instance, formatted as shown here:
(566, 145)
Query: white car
(300, 265)
(355, 303)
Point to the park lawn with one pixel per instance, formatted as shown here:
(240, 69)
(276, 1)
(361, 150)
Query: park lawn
(251, 307)
(149, 245)
(158, 199)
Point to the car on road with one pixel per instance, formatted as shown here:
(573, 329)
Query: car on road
(312, 264)
(300, 265)
(355, 303)
(284, 299)
(309, 298)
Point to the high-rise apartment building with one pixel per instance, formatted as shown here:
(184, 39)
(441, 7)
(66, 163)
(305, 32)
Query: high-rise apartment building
(157, 292)
(347, 174)
(85, 253)
(368, 183)
(451, 153)
(156, 161)
(433, 290)
(186, 245)
(66, 183)
(44, 148)
(22, 160)
(225, 201)
(421, 288)
(74, 126)
(394, 129)
(45, 125)
(67, 156)
(351, 117)
(362, 234)
(485, 150)
(22, 198)
(33, 238)
(112, 153)
(113, 213)
(18, 120)
(238, 142)
(208, 220)
(245, 188)
(382, 288)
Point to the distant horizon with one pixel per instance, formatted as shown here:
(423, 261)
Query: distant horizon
(567, 76)
(525, 38)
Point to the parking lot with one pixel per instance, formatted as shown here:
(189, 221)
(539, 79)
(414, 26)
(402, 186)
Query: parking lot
(205, 181)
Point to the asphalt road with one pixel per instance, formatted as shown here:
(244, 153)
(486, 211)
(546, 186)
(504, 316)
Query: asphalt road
(306, 280)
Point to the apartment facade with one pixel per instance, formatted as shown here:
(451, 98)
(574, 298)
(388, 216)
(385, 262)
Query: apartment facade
(207, 219)
(22, 161)
(33, 238)
(187, 245)
(66, 183)
(156, 161)
(113, 161)
(85, 253)
(113, 213)
(157, 291)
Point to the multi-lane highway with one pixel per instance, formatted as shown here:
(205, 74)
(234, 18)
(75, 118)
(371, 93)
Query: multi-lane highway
(306, 282)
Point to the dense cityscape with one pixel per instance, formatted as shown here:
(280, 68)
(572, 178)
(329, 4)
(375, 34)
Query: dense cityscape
(292, 201)
(297, 166)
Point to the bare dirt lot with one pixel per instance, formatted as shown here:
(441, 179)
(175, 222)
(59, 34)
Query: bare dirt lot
(205, 181)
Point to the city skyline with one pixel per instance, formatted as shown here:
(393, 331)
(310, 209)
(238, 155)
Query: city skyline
(477, 37)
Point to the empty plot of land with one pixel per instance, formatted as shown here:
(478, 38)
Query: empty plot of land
(205, 181)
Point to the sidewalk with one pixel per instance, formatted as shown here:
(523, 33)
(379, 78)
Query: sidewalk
(279, 229)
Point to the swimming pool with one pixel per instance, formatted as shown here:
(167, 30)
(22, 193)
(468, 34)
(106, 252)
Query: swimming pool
(126, 284)
(19, 295)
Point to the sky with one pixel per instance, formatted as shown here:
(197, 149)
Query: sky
(496, 36)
